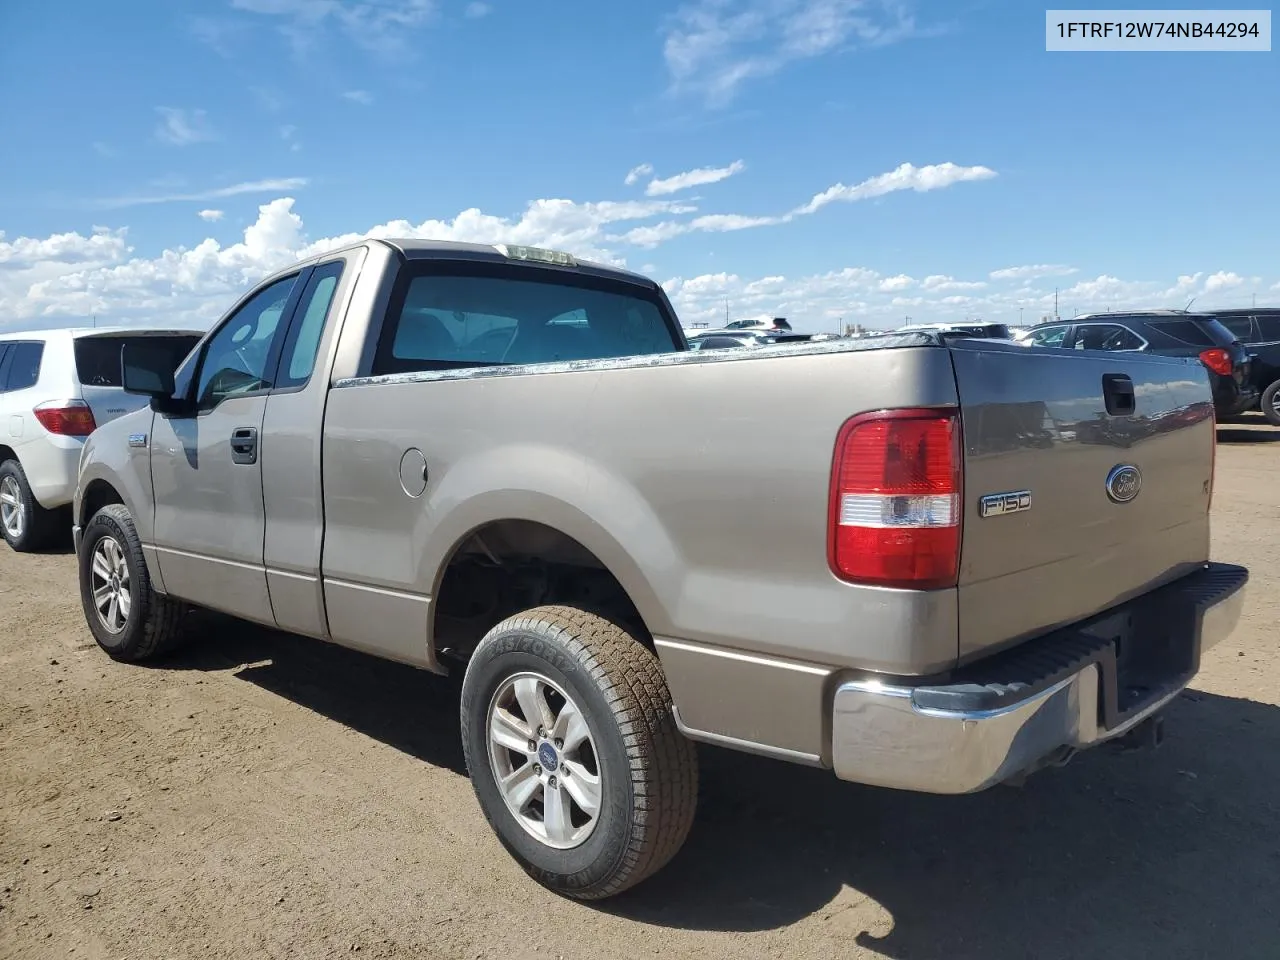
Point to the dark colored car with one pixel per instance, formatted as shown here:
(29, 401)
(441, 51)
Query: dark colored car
(1259, 330)
(1170, 333)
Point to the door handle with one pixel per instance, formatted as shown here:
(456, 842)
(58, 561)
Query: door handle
(1117, 392)
(244, 445)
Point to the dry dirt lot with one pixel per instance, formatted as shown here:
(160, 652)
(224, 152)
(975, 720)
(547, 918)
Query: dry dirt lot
(262, 796)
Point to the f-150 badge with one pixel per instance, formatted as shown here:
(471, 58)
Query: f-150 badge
(999, 504)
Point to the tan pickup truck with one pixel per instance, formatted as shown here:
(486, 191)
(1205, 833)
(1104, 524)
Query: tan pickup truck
(925, 563)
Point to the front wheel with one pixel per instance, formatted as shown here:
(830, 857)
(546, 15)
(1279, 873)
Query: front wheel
(1270, 404)
(128, 618)
(571, 743)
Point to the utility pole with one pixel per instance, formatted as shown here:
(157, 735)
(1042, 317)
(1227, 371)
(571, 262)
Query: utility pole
(1055, 305)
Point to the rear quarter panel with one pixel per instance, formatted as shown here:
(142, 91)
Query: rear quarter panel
(700, 481)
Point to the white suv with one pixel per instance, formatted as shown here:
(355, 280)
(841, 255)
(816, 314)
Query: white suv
(56, 387)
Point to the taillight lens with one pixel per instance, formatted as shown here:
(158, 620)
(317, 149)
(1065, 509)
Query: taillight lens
(1218, 360)
(67, 418)
(895, 500)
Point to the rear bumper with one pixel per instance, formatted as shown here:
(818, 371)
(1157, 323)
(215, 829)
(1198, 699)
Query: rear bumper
(1231, 398)
(1068, 690)
(51, 464)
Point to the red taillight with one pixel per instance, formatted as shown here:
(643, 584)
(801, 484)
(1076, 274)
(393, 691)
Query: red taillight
(67, 418)
(1218, 360)
(895, 500)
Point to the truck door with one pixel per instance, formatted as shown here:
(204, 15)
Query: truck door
(207, 468)
(292, 493)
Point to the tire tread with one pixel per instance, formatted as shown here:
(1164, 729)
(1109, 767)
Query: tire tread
(161, 616)
(663, 762)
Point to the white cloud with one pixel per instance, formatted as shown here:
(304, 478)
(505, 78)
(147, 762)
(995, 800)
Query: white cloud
(68, 276)
(635, 173)
(1223, 280)
(101, 246)
(477, 10)
(73, 276)
(211, 216)
(363, 97)
(693, 178)
(216, 193)
(939, 282)
(381, 27)
(715, 46)
(906, 176)
(1033, 271)
(862, 295)
(182, 128)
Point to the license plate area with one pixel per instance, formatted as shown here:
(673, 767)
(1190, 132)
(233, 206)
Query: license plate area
(1149, 653)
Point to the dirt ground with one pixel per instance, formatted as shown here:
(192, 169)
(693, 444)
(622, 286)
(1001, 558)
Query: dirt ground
(266, 796)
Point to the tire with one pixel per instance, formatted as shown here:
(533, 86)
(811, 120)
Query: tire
(1270, 404)
(646, 770)
(152, 622)
(25, 525)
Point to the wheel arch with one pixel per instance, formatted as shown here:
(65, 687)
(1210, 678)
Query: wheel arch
(501, 564)
(97, 494)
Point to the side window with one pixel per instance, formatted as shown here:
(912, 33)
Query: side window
(4, 352)
(302, 342)
(1268, 329)
(236, 358)
(448, 322)
(1184, 331)
(24, 364)
(1048, 336)
(1106, 336)
(1241, 327)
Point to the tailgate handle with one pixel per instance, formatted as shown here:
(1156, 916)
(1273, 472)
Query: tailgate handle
(1117, 391)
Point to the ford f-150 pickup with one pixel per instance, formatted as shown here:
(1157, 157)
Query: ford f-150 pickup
(931, 564)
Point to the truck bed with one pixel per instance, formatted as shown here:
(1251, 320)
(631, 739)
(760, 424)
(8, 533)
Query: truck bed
(701, 480)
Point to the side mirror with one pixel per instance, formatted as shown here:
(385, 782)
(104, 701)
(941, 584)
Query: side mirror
(149, 370)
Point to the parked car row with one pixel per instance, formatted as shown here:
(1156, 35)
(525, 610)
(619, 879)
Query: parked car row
(1240, 349)
(476, 460)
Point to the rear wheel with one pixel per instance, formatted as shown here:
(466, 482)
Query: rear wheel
(572, 747)
(25, 525)
(1270, 404)
(128, 618)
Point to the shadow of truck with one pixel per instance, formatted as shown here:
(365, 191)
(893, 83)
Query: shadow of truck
(1172, 854)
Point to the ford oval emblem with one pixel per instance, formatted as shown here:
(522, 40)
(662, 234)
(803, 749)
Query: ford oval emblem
(1124, 482)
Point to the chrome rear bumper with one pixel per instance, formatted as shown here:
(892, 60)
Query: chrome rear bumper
(911, 738)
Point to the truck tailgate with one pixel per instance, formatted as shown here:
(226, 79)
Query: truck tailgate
(1069, 508)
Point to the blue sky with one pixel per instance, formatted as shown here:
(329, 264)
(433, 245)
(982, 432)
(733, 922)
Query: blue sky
(1119, 178)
